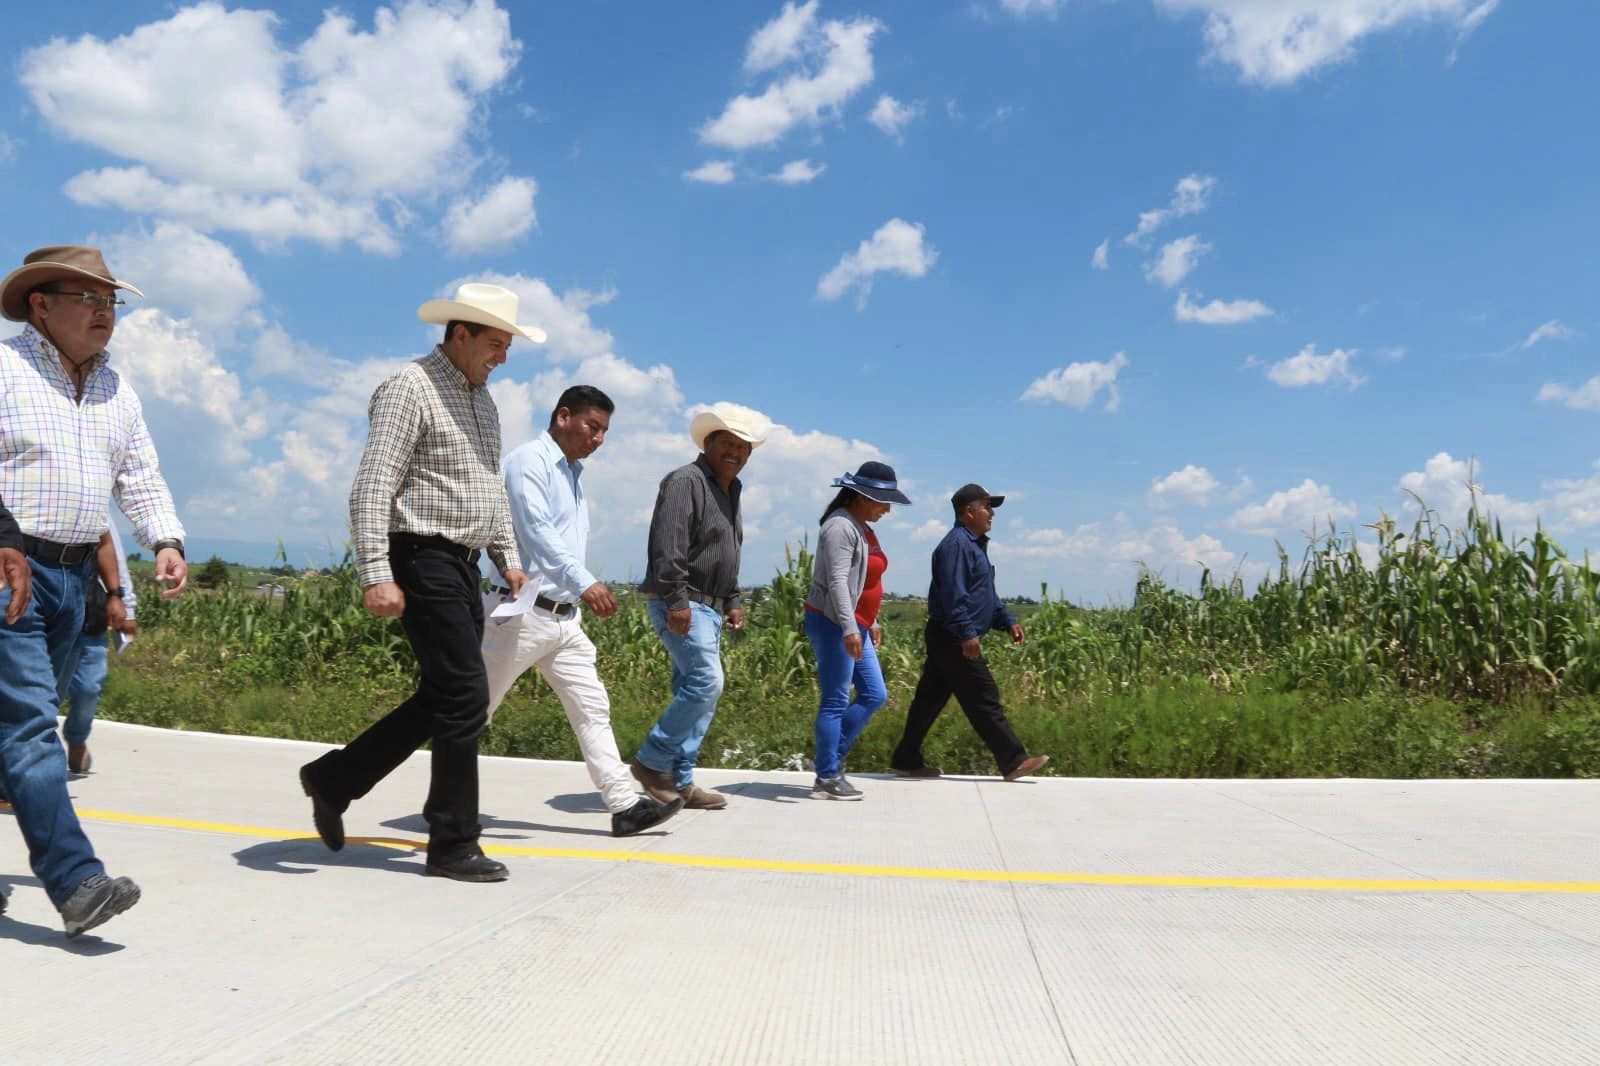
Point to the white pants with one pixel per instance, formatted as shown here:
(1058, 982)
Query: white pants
(565, 657)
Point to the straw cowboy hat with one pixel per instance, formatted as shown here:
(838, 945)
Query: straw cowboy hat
(485, 305)
(59, 262)
(749, 426)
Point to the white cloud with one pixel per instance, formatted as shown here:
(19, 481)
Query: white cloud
(1076, 384)
(1193, 485)
(1277, 42)
(891, 116)
(8, 147)
(1309, 368)
(1176, 260)
(1552, 330)
(498, 219)
(1218, 312)
(188, 274)
(1447, 485)
(712, 172)
(1022, 8)
(833, 62)
(798, 172)
(1102, 255)
(1189, 197)
(1117, 548)
(896, 247)
(225, 128)
(1585, 397)
(1308, 505)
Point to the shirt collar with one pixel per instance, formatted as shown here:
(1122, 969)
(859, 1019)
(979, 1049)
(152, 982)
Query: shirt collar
(980, 541)
(711, 475)
(553, 449)
(443, 365)
(42, 350)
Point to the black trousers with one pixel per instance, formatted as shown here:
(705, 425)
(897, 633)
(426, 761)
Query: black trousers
(444, 621)
(947, 672)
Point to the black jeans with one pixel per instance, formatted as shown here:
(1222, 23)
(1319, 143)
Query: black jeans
(947, 672)
(444, 621)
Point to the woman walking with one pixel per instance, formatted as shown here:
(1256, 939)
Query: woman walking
(846, 591)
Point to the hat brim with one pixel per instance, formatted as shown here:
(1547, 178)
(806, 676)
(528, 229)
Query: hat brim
(440, 312)
(23, 280)
(708, 422)
(871, 493)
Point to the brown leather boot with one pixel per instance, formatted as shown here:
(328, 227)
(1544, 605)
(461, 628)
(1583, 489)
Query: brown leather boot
(659, 785)
(696, 798)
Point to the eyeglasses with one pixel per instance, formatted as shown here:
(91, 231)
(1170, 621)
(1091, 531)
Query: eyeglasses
(91, 299)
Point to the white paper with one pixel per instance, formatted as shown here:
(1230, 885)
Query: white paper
(120, 641)
(512, 608)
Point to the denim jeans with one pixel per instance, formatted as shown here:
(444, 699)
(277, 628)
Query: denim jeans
(83, 688)
(840, 721)
(33, 769)
(674, 741)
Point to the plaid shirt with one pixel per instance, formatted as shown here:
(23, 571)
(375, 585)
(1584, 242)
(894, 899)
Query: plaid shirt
(431, 467)
(63, 460)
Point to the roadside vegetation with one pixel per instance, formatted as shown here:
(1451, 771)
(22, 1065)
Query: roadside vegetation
(1449, 652)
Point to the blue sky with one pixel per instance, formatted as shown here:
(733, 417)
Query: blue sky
(1179, 276)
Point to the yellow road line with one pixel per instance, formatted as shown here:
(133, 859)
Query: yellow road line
(923, 873)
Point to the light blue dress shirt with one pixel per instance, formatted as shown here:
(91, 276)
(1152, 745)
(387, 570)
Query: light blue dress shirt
(550, 516)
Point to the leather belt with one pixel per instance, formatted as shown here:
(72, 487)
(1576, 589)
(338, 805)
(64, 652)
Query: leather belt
(716, 603)
(53, 552)
(544, 603)
(415, 541)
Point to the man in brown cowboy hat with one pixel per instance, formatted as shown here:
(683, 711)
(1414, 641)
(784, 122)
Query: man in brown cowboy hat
(427, 500)
(72, 435)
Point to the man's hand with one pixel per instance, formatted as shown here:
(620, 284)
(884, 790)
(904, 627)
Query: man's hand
(130, 627)
(1017, 635)
(116, 613)
(171, 570)
(678, 621)
(735, 618)
(387, 600)
(515, 579)
(19, 579)
(876, 633)
(852, 645)
(972, 647)
(598, 599)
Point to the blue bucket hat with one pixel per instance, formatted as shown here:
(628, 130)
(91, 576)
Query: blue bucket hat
(875, 481)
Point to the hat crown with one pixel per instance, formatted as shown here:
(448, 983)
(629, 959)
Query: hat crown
(497, 301)
(74, 256)
(876, 471)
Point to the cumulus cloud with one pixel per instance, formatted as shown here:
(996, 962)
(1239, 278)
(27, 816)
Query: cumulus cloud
(1101, 259)
(897, 247)
(1279, 42)
(1219, 312)
(712, 172)
(1191, 485)
(1176, 260)
(1189, 197)
(1077, 384)
(1585, 397)
(1552, 330)
(501, 217)
(891, 116)
(186, 273)
(1297, 510)
(798, 172)
(226, 128)
(1116, 549)
(1031, 7)
(831, 61)
(1448, 485)
(1309, 368)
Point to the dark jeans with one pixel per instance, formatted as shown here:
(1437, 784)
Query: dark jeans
(444, 621)
(945, 673)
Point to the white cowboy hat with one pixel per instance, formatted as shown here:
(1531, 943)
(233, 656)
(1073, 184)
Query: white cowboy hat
(59, 262)
(749, 426)
(486, 305)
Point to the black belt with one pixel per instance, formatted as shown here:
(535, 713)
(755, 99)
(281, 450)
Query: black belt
(52, 552)
(555, 607)
(415, 541)
(716, 603)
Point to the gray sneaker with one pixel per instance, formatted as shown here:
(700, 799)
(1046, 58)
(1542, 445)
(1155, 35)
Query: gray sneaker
(97, 900)
(834, 788)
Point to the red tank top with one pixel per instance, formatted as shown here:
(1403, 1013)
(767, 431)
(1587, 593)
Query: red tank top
(872, 593)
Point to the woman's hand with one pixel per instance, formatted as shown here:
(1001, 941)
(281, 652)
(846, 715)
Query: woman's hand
(852, 645)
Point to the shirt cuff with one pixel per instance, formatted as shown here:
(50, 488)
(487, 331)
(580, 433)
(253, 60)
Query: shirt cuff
(375, 572)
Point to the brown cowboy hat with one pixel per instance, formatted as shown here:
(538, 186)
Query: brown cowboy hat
(55, 263)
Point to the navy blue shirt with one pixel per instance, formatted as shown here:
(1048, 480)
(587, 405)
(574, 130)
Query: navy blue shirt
(962, 596)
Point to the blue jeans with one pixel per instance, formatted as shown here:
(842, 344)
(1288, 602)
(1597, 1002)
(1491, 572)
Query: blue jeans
(33, 768)
(83, 689)
(674, 741)
(840, 721)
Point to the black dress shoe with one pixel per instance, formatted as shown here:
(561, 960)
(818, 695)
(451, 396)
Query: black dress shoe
(475, 867)
(328, 819)
(642, 815)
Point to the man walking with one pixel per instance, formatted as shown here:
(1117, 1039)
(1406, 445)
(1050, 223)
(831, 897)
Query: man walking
(691, 588)
(550, 513)
(427, 499)
(962, 606)
(72, 437)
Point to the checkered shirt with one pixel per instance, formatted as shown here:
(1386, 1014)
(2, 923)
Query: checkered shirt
(431, 467)
(62, 461)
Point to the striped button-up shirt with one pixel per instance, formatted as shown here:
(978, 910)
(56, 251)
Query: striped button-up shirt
(431, 467)
(62, 459)
(695, 536)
